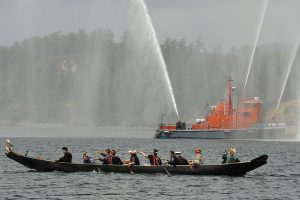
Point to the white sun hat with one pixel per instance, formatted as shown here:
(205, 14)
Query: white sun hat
(132, 151)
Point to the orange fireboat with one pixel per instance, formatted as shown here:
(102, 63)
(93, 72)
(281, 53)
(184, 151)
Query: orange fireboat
(229, 119)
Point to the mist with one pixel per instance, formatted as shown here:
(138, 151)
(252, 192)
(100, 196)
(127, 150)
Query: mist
(95, 63)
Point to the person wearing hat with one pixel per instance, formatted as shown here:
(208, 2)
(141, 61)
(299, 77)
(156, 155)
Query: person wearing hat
(231, 158)
(181, 160)
(198, 157)
(153, 158)
(67, 156)
(173, 159)
(133, 160)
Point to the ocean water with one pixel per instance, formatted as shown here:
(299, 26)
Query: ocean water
(279, 179)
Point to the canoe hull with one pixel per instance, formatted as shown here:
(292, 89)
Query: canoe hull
(32, 163)
(235, 169)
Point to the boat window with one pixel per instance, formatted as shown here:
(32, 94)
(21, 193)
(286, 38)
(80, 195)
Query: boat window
(246, 114)
(250, 105)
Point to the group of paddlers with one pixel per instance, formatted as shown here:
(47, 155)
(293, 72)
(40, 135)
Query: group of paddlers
(109, 157)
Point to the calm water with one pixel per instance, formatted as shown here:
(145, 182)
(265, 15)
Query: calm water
(279, 179)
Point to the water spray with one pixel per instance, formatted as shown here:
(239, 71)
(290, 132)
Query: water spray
(290, 66)
(159, 54)
(265, 5)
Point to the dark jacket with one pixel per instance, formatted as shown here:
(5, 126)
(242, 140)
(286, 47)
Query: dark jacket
(116, 160)
(232, 159)
(134, 159)
(67, 157)
(173, 160)
(182, 161)
(224, 157)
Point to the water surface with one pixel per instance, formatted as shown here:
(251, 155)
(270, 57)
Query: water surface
(279, 179)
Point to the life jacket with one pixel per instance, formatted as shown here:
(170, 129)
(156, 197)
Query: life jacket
(109, 159)
(155, 160)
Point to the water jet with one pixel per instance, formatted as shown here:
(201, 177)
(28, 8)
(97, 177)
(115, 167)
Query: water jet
(265, 5)
(290, 66)
(155, 43)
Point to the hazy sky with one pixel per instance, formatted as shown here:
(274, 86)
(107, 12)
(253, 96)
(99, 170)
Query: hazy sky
(225, 22)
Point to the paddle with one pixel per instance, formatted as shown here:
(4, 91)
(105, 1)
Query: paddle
(129, 167)
(166, 169)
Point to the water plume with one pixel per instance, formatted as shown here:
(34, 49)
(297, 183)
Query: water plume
(290, 66)
(88, 77)
(156, 46)
(265, 5)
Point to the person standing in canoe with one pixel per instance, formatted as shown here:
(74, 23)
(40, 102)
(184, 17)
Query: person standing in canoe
(67, 157)
(153, 158)
(198, 157)
(231, 158)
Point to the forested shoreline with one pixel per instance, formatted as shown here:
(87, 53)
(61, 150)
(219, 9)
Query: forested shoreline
(42, 81)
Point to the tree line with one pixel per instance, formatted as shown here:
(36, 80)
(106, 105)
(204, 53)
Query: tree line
(97, 79)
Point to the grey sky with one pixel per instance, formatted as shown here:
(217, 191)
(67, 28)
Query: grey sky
(225, 22)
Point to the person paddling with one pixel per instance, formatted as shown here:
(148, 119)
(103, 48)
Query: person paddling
(107, 160)
(67, 156)
(133, 160)
(87, 159)
(231, 158)
(173, 159)
(115, 159)
(198, 157)
(181, 160)
(153, 158)
(224, 156)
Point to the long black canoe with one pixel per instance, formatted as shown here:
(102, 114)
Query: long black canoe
(240, 168)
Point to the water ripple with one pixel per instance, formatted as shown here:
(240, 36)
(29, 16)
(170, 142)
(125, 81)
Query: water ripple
(279, 179)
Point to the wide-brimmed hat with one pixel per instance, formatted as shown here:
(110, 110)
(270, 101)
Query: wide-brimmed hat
(132, 151)
(177, 152)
